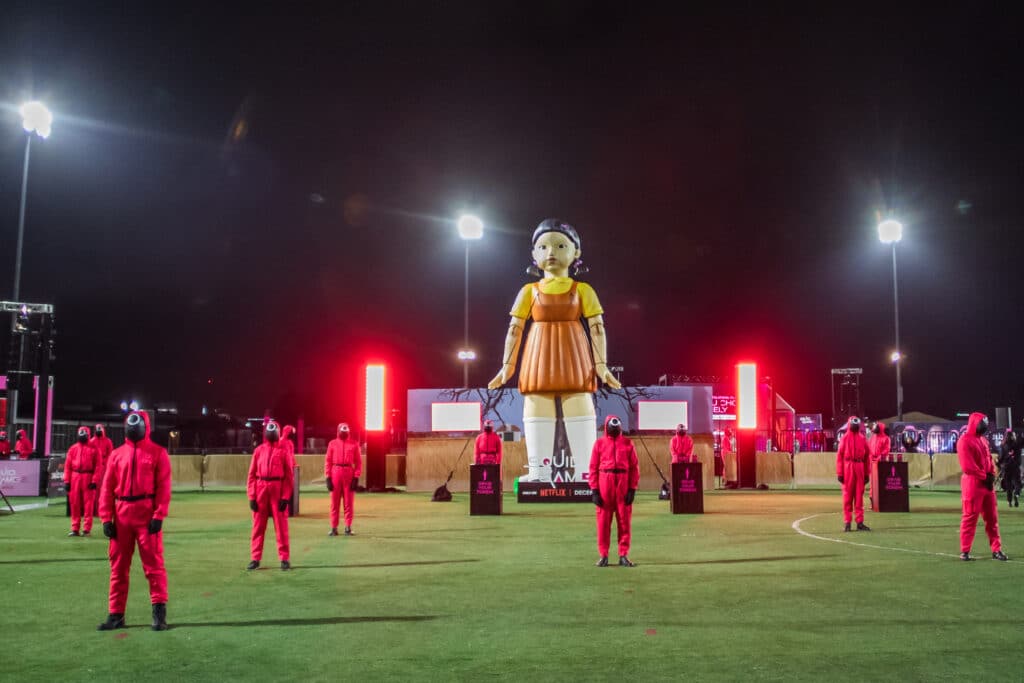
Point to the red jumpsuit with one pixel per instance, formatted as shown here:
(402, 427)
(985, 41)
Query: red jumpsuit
(487, 450)
(286, 442)
(81, 468)
(614, 466)
(681, 448)
(344, 462)
(270, 481)
(879, 445)
(851, 465)
(104, 447)
(136, 489)
(23, 446)
(976, 463)
(5, 448)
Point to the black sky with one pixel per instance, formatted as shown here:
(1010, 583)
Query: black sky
(725, 168)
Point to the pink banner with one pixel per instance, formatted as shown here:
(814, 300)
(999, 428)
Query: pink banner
(19, 477)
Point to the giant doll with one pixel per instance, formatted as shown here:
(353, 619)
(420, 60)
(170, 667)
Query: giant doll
(560, 364)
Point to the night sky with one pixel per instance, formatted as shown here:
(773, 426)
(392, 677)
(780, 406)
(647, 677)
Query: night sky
(265, 200)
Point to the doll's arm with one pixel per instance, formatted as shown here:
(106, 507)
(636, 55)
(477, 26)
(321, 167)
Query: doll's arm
(599, 347)
(512, 342)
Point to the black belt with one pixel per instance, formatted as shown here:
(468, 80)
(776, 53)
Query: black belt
(615, 471)
(270, 478)
(132, 499)
(83, 471)
(337, 464)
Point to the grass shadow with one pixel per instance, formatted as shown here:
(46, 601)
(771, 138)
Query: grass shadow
(741, 560)
(417, 563)
(49, 560)
(317, 621)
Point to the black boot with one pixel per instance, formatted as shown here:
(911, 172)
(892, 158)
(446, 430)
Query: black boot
(72, 533)
(966, 556)
(861, 526)
(348, 531)
(847, 527)
(113, 621)
(625, 561)
(998, 555)
(160, 616)
(285, 565)
(255, 564)
(333, 531)
(602, 561)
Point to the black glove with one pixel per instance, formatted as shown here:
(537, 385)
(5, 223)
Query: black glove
(355, 483)
(630, 495)
(92, 487)
(840, 478)
(330, 484)
(155, 525)
(109, 530)
(282, 505)
(990, 481)
(253, 505)
(597, 498)
(867, 479)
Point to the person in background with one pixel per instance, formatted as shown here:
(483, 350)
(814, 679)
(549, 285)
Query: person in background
(851, 470)
(5, 444)
(81, 479)
(977, 486)
(342, 467)
(104, 447)
(681, 446)
(487, 449)
(23, 445)
(270, 489)
(1009, 466)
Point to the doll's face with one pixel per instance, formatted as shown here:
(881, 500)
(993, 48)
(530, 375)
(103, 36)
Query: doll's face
(553, 253)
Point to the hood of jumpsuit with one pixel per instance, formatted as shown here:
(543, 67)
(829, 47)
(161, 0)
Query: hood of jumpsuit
(972, 423)
(287, 432)
(145, 420)
(607, 420)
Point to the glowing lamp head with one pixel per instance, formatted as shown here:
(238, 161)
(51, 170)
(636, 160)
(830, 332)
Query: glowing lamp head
(134, 405)
(467, 354)
(896, 357)
(470, 227)
(124, 405)
(890, 231)
(36, 118)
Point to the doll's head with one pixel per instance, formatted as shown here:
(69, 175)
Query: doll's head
(556, 249)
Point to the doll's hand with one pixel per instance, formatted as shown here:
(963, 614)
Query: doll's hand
(503, 376)
(607, 377)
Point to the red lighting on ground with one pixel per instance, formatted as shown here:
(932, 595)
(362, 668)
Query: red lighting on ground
(746, 381)
(374, 418)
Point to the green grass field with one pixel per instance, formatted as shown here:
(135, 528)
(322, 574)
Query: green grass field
(423, 591)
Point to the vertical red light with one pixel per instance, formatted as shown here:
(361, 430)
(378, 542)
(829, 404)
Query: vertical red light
(746, 383)
(374, 418)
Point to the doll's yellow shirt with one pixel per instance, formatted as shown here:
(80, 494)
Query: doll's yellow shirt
(558, 285)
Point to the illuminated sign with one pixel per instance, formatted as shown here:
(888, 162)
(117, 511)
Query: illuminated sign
(665, 415)
(723, 407)
(374, 398)
(746, 376)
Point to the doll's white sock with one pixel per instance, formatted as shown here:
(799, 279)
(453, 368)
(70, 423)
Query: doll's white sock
(539, 433)
(582, 433)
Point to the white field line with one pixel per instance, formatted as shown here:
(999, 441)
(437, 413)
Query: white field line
(796, 528)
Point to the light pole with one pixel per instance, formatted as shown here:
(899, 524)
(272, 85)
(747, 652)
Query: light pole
(470, 228)
(36, 119)
(891, 232)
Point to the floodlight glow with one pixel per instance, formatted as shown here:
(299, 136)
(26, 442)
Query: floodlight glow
(36, 118)
(134, 405)
(467, 355)
(746, 380)
(890, 231)
(374, 421)
(470, 227)
(896, 356)
(124, 405)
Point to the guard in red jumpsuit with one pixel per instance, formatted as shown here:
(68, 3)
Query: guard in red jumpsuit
(852, 472)
(878, 451)
(81, 479)
(23, 445)
(288, 444)
(134, 499)
(614, 466)
(681, 446)
(977, 488)
(270, 491)
(104, 447)
(487, 450)
(342, 467)
(5, 445)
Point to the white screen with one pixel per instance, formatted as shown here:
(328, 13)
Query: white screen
(661, 414)
(455, 417)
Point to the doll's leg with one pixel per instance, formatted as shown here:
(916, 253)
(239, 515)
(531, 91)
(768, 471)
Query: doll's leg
(581, 430)
(539, 432)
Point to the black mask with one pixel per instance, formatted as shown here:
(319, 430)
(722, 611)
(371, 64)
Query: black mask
(488, 428)
(982, 426)
(681, 432)
(343, 435)
(135, 428)
(887, 432)
(614, 431)
(855, 428)
(99, 432)
(877, 429)
(273, 435)
(83, 438)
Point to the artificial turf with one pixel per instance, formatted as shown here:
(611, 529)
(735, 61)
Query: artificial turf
(423, 591)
